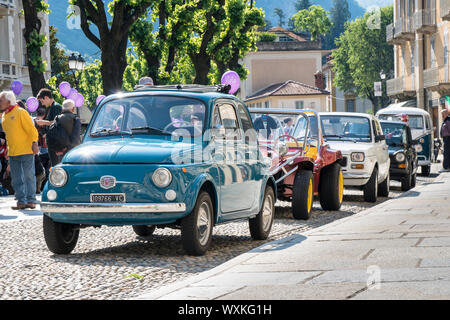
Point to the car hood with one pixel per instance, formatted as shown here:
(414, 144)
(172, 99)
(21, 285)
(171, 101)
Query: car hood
(347, 147)
(129, 150)
(393, 150)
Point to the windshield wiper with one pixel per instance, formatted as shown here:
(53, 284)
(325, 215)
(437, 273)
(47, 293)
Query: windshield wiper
(109, 132)
(333, 136)
(151, 130)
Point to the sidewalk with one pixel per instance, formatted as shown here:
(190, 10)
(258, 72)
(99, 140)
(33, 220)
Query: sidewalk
(8, 215)
(399, 249)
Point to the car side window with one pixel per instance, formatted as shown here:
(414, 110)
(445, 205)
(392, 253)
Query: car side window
(225, 122)
(428, 123)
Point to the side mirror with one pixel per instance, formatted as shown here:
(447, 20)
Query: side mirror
(380, 138)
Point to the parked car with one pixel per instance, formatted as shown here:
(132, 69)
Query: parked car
(167, 156)
(302, 164)
(366, 159)
(421, 129)
(402, 152)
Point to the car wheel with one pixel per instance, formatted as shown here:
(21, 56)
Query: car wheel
(384, 187)
(61, 238)
(371, 188)
(196, 228)
(331, 188)
(261, 225)
(303, 195)
(426, 170)
(407, 182)
(144, 231)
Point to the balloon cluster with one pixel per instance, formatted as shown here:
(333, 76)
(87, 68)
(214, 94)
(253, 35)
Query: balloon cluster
(233, 79)
(71, 93)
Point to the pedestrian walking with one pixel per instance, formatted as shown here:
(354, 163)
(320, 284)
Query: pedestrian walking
(43, 149)
(445, 134)
(65, 133)
(22, 141)
(53, 109)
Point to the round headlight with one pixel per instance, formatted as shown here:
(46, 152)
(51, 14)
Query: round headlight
(358, 157)
(400, 157)
(419, 148)
(58, 177)
(162, 177)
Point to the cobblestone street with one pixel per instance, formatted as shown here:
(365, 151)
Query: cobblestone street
(113, 263)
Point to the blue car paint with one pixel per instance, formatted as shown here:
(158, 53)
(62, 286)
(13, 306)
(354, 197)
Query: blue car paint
(427, 149)
(141, 156)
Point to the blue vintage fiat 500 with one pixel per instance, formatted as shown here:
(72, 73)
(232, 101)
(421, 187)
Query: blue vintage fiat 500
(161, 157)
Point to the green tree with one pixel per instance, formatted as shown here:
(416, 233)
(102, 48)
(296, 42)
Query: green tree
(302, 5)
(35, 40)
(281, 16)
(113, 35)
(340, 15)
(58, 58)
(361, 54)
(314, 20)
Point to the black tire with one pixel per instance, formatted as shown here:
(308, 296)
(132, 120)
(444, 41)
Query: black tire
(407, 182)
(330, 194)
(196, 240)
(371, 188)
(384, 187)
(261, 225)
(61, 238)
(144, 231)
(301, 202)
(426, 170)
(414, 180)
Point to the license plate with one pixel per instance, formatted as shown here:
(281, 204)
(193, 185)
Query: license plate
(108, 198)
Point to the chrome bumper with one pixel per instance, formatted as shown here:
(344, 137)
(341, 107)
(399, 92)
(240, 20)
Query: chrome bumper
(54, 207)
(356, 176)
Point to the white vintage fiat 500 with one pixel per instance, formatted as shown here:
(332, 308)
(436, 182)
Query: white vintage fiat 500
(360, 138)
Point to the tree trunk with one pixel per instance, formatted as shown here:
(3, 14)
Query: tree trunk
(32, 23)
(202, 65)
(114, 63)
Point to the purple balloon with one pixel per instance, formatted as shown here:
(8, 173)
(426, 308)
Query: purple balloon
(64, 88)
(32, 104)
(99, 99)
(233, 79)
(73, 94)
(79, 100)
(16, 87)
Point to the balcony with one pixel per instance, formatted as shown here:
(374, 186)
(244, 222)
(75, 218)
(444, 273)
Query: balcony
(437, 79)
(401, 88)
(401, 31)
(425, 21)
(445, 10)
(8, 70)
(7, 7)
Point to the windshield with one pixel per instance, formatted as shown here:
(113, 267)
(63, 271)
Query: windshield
(268, 127)
(351, 128)
(414, 121)
(163, 115)
(300, 129)
(395, 133)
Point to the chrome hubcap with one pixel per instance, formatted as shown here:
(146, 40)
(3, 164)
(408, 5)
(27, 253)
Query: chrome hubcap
(204, 223)
(267, 212)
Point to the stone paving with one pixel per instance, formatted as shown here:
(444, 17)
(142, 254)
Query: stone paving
(113, 263)
(399, 249)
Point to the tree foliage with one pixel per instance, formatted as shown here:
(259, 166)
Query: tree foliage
(314, 20)
(361, 54)
(302, 5)
(281, 16)
(339, 15)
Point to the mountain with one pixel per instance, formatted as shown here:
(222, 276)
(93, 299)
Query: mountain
(74, 40)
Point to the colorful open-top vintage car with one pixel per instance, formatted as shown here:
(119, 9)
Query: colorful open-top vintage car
(172, 156)
(301, 163)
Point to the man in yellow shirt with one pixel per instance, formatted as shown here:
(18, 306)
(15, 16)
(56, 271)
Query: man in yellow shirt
(21, 138)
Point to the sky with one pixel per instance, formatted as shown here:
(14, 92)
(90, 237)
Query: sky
(368, 3)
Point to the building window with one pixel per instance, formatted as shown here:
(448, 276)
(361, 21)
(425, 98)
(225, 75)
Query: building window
(267, 104)
(413, 48)
(313, 105)
(285, 39)
(350, 105)
(299, 104)
(433, 53)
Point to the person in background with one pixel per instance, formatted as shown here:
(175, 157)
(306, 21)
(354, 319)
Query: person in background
(71, 124)
(288, 126)
(445, 134)
(22, 140)
(53, 109)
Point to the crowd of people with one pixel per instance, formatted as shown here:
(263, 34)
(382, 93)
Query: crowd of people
(31, 145)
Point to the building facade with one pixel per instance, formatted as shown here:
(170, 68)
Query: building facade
(289, 57)
(420, 35)
(13, 54)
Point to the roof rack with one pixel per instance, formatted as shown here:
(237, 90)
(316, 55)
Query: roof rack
(186, 87)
